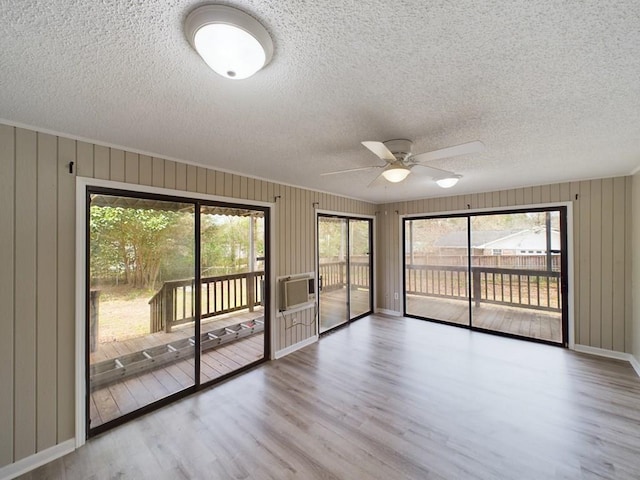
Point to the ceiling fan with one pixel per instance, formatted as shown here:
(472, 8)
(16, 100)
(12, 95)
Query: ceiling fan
(399, 160)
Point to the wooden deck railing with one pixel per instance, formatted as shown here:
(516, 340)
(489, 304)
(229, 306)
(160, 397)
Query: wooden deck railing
(334, 275)
(174, 303)
(536, 289)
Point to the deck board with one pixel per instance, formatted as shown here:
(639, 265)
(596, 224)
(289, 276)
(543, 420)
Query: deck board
(112, 401)
(537, 324)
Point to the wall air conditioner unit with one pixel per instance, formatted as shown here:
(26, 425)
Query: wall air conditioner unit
(297, 292)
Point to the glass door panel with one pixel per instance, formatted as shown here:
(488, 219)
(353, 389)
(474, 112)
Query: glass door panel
(232, 251)
(332, 275)
(359, 267)
(141, 303)
(436, 269)
(516, 274)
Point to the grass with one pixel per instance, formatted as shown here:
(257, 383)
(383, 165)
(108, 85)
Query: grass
(123, 313)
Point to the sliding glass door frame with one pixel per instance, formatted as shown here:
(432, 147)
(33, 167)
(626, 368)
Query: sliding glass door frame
(564, 273)
(371, 228)
(83, 316)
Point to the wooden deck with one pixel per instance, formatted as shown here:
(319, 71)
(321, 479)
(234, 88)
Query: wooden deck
(538, 324)
(333, 309)
(112, 401)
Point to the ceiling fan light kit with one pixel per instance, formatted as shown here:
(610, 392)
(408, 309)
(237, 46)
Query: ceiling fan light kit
(395, 173)
(448, 182)
(233, 43)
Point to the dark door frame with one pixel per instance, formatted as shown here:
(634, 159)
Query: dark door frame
(90, 189)
(370, 221)
(564, 261)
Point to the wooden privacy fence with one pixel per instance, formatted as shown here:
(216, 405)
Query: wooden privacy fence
(334, 275)
(536, 289)
(174, 303)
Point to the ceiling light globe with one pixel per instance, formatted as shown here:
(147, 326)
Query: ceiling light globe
(448, 182)
(233, 44)
(395, 173)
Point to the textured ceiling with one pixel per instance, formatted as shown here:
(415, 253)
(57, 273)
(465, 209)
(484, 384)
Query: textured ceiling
(552, 88)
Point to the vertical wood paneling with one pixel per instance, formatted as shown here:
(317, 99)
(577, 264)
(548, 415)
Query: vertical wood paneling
(584, 257)
(220, 183)
(7, 259)
(181, 176)
(595, 260)
(66, 291)
(243, 187)
(211, 182)
(602, 317)
(85, 159)
(25, 293)
(577, 238)
(117, 166)
(192, 178)
(536, 194)
(101, 162)
(628, 299)
(235, 186)
(201, 180)
(46, 301)
(157, 172)
(619, 264)
(146, 170)
(545, 194)
(251, 189)
(169, 174)
(131, 167)
(606, 278)
(228, 185)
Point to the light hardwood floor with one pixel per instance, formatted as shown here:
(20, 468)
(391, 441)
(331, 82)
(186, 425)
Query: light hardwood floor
(389, 398)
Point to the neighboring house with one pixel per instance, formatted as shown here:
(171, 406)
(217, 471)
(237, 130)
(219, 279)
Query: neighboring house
(531, 241)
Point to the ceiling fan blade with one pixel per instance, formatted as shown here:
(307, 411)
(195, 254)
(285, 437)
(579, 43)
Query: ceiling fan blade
(375, 181)
(352, 170)
(463, 149)
(437, 172)
(380, 150)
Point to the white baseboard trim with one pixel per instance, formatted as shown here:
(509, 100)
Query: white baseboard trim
(36, 460)
(603, 352)
(393, 313)
(296, 346)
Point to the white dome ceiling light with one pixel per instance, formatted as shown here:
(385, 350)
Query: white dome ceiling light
(232, 42)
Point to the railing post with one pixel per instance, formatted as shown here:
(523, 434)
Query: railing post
(477, 288)
(251, 290)
(168, 295)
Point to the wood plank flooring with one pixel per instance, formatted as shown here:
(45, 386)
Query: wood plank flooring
(525, 322)
(389, 398)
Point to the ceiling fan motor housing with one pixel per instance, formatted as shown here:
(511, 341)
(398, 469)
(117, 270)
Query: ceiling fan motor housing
(401, 148)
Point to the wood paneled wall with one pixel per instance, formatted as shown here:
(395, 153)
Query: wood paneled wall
(635, 283)
(37, 254)
(601, 250)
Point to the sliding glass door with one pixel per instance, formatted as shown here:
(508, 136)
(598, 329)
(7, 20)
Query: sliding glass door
(166, 313)
(497, 272)
(436, 269)
(517, 269)
(344, 264)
